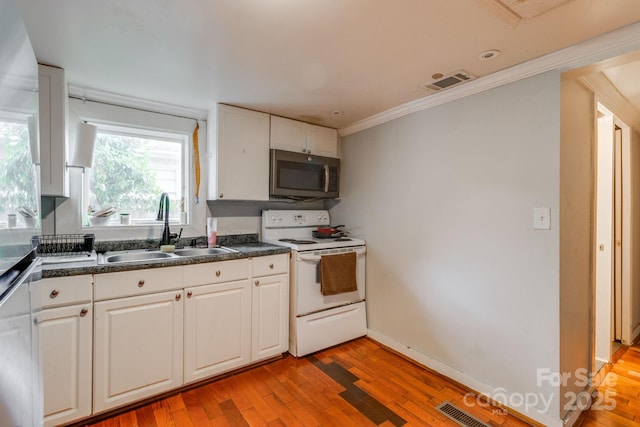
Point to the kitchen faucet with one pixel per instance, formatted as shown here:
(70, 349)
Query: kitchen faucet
(163, 210)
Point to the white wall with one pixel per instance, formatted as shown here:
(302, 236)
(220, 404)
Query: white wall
(455, 270)
(577, 119)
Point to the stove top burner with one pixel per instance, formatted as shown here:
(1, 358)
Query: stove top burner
(298, 242)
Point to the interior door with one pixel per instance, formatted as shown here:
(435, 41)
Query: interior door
(604, 240)
(617, 282)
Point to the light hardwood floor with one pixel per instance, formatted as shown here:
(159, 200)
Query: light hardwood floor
(619, 394)
(358, 383)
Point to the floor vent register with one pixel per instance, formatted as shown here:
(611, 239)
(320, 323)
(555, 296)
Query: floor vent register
(459, 416)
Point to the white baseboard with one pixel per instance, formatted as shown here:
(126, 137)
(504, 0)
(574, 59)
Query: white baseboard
(471, 382)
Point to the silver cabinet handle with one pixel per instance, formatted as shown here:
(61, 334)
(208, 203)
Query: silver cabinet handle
(257, 282)
(54, 293)
(271, 266)
(189, 294)
(83, 312)
(218, 273)
(221, 195)
(140, 283)
(178, 296)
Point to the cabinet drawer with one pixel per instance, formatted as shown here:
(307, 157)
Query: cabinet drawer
(60, 291)
(216, 272)
(136, 282)
(270, 264)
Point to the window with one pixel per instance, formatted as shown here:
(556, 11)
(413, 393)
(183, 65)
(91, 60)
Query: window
(132, 168)
(17, 173)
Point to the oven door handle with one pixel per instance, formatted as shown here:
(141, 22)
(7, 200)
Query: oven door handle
(315, 258)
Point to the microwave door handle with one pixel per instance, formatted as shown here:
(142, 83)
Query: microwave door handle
(326, 178)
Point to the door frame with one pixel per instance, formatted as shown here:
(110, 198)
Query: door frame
(626, 326)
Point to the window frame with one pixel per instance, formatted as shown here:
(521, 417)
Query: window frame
(135, 132)
(69, 214)
(23, 119)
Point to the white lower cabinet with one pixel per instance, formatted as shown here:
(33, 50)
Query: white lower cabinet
(269, 306)
(154, 330)
(138, 348)
(217, 329)
(65, 351)
(63, 317)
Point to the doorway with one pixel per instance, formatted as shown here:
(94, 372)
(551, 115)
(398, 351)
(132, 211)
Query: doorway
(612, 259)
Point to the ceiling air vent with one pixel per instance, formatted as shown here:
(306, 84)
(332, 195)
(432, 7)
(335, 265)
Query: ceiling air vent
(448, 81)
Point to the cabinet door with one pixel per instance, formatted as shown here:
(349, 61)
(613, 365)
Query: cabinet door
(322, 141)
(64, 336)
(19, 402)
(52, 119)
(138, 348)
(287, 134)
(270, 316)
(242, 155)
(217, 329)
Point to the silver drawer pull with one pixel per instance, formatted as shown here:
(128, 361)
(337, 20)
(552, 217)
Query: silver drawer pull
(140, 283)
(189, 294)
(178, 296)
(271, 266)
(218, 273)
(54, 293)
(83, 312)
(257, 282)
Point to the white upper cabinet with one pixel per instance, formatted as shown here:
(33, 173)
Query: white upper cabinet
(292, 135)
(239, 155)
(52, 110)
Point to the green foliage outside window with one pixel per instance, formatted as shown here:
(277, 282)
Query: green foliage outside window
(17, 177)
(122, 176)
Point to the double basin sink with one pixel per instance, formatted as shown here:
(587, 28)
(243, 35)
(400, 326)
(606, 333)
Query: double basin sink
(146, 255)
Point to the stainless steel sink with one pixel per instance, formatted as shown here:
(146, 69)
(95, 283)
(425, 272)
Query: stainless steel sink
(142, 255)
(136, 257)
(204, 251)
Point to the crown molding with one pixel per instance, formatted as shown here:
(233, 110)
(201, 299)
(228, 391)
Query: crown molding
(137, 103)
(622, 41)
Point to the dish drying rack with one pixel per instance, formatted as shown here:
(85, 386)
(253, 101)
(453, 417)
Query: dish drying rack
(63, 244)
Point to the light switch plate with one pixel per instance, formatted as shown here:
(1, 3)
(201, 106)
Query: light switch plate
(542, 218)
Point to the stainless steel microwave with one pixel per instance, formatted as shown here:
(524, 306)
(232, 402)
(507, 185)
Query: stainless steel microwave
(299, 175)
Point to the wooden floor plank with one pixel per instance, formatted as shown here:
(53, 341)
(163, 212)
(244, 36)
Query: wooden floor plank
(163, 417)
(145, 416)
(285, 414)
(233, 414)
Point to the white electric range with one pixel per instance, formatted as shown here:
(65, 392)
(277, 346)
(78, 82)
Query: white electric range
(317, 321)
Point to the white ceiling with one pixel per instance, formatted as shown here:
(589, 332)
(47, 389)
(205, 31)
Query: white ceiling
(302, 58)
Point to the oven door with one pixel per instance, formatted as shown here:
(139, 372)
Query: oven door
(305, 291)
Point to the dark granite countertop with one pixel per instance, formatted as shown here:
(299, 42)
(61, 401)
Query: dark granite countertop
(245, 250)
